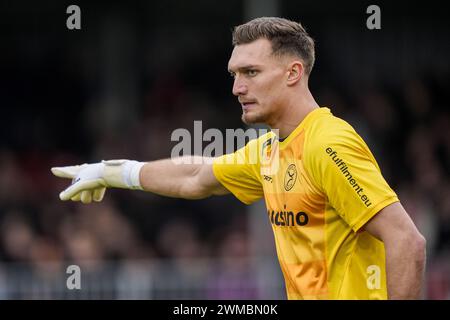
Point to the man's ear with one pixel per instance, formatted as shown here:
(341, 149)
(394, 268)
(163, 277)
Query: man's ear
(295, 72)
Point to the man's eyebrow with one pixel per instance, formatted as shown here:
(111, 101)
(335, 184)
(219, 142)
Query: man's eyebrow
(243, 68)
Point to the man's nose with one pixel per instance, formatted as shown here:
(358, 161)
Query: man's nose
(239, 87)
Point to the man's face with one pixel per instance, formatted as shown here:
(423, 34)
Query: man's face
(259, 81)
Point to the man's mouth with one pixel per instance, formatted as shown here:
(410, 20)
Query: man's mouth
(247, 105)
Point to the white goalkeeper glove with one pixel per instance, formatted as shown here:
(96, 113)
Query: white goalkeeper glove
(89, 181)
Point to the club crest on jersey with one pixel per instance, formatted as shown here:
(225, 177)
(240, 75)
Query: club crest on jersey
(269, 156)
(290, 177)
(267, 149)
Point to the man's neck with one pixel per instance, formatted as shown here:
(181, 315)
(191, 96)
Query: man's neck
(294, 111)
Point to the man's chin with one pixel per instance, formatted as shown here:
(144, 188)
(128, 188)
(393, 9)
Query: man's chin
(248, 119)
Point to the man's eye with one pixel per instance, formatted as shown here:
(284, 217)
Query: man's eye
(252, 73)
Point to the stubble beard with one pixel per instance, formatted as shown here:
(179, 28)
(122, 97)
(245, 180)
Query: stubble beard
(249, 118)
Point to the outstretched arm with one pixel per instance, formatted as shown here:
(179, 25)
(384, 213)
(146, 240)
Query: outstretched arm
(405, 251)
(189, 177)
(188, 181)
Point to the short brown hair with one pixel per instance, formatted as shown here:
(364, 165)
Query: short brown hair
(286, 37)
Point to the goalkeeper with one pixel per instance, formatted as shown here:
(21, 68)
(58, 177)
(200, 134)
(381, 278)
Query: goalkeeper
(340, 230)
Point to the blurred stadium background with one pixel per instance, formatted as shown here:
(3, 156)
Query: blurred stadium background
(136, 71)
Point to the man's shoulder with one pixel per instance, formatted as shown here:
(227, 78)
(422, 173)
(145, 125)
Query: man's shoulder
(328, 127)
(332, 132)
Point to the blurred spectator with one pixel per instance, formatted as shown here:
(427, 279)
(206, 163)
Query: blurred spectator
(233, 277)
(17, 237)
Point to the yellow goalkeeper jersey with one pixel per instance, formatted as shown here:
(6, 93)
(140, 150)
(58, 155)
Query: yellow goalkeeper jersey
(321, 185)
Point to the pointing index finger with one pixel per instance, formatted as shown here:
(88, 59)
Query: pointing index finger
(66, 172)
